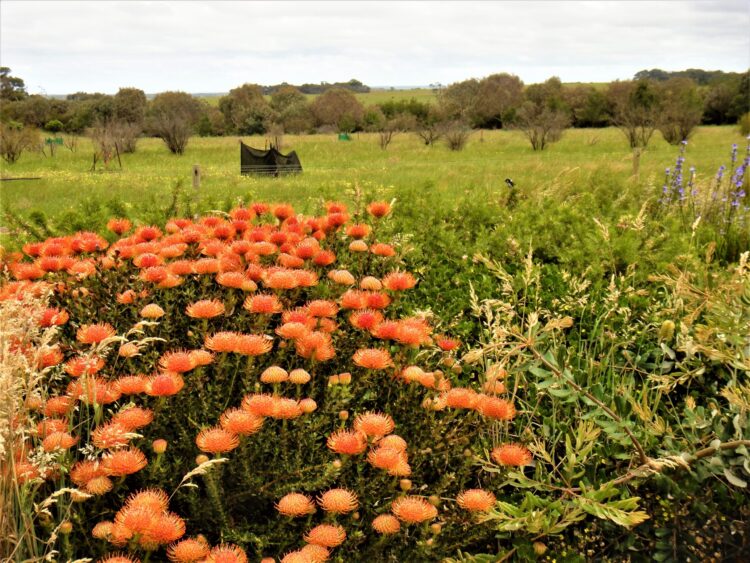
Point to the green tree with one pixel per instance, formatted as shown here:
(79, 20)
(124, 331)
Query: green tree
(246, 111)
(12, 88)
(497, 97)
(636, 109)
(173, 116)
(682, 109)
(339, 108)
(130, 105)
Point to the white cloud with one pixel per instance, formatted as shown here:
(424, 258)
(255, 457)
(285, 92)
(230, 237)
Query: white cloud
(213, 46)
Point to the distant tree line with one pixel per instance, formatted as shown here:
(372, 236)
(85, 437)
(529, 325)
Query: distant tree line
(670, 102)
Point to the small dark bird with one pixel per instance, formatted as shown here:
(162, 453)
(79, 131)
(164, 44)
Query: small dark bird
(510, 183)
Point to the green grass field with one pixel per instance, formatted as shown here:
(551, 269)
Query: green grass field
(332, 166)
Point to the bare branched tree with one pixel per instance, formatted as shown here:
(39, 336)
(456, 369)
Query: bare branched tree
(14, 139)
(541, 125)
(456, 134)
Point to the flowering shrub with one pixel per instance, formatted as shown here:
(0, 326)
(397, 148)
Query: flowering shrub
(266, 360)
(720, 204)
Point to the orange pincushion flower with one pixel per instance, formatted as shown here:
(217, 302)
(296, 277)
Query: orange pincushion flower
(281, 279)
(358, 230)
(413, 509)
(366, 319)
(83, 365)
(95, 333)
(124, 462)
(286, 408)
(226, 553)
(86, 470)
(147, 260)
(385, 457)
(386, 524)
(387, 330)
(324, 258)
(340, 501)
(206, 266)
(53, 317)
(354, 299)
(358, 246)
(263, 304)
(379, 209)
(131, 384)
(205, 309)
(308, 405)
(322, 308)
(292, 330)
(165, 384)
(341, 277)
(90, 390)
(513, 455)
(102, 530)
(289, 261)
(134, 417)
(282, 211)
(119, 225)
(152, 311)
(494, 387)
(260, 405)
(382, 249)
(167, 528)
(326, 535)
(447, 344)
(371, 358)
(181, 267)
(240, 422)
(254, 344)
(49, 425)
(377, 300)
(99, 485)
(399, 281)
(371, 283)
(216, 440)
(223, 341)
(128, 350)
(476, 500)
(374, 424)
(155, 274)
(496, 408)
(201, 357)
(346, 442)
(118, 558)
(155, 500)
(393, 441)
(49, 357)
(299, 377)
(315, 553)
(317, 345)
(110, 436)
(190, 550)
(58, 441)
(274, 374)
(178, 362)
(126, 297)
(295, 505)
(461, 398)
(56, 406)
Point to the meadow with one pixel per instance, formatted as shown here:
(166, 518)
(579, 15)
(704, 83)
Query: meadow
(391, 356)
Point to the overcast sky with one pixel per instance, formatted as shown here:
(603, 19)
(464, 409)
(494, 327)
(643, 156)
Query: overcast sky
(62, 47)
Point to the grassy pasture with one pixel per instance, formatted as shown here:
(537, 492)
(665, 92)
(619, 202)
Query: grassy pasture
(332, 166)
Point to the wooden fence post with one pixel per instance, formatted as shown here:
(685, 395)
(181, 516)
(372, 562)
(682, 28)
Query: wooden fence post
(636, 163)
(196, 176)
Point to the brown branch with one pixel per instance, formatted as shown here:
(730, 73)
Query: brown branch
(644, 459)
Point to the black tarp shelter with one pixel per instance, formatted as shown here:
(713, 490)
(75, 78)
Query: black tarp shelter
(269, 162)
